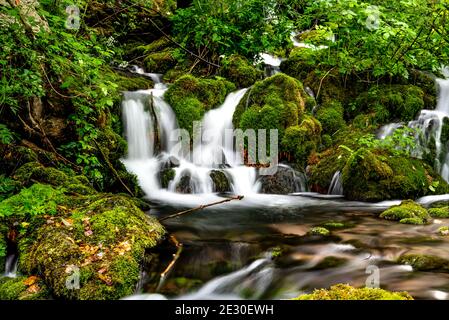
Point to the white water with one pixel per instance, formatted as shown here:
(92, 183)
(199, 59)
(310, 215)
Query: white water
(336, 186)
(11, 266)
(429, 125)
(212, 152)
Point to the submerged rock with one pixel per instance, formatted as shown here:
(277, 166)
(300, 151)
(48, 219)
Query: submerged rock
(346, 292)
(422, 262)
(318, 231)
(408, 212)
(185, 184)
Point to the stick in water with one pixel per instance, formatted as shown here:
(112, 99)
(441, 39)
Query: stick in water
(204, 206)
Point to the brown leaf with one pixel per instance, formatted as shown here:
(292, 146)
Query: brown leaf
(33, 288)
(30, 280)
(106, 279)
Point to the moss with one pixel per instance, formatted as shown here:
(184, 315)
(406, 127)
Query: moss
(220, 180)
(34, 171)
(104, 236)
(336, 225)
(407, 212)
(374, 175)
(159, 62)
(3, 247)
(393, 102)
(421, 262)
(301, 140)
(165, 176)
(191, 97)
(442, 212)
(300, 63)
(346, 292)
(319, 231)
(23, 288)
(443, 231)
(330, 262)
(8, 187)
(240, 71)
(274, 103)
(331, 117)
(13, 156)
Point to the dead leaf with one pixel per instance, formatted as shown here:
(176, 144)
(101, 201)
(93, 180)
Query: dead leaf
(33, 289)
(30, 280)
(106, 279)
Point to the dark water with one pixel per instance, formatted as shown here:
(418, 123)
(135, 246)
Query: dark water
(259, 249)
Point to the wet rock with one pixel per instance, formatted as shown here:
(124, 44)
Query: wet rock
(185, 184)
(422, 262)
(408, 212)
(284, 181)
(165, 176)
(318, 231)
(221, 182)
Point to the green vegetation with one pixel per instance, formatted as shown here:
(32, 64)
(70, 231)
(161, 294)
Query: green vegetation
(318, 231)
(346, 292)
(407, 212)
(423, 262)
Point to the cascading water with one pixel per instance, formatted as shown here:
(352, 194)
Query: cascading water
(142, 129)
(336, 186)
(429, 127)
(11, 265)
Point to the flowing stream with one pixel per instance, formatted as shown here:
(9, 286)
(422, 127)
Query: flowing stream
(258, 247)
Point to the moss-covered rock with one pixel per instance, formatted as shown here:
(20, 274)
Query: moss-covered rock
(284, 181)
(318, 231)
(101, 238)
(423, 262)
(23, 288)
(330, 262)
(330, 116)
(220, 181)
(391, 102)
(240, 71)
(159, 62)
(300, 63)
(442, 212)
(191, 97)
(443, 231)
(165, 176)
(346, 292)
(375, 175)
(408, 212)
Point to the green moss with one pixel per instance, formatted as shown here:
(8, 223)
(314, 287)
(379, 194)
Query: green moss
(166, 176)
(104, 236)
(319, 231)
(331, 117)
(159, 62)
(346, 292)
(220, 180)
(240, 71)
(391, 102)
(374, 175)
(191, 97)
(442, 212)
(23, 288)
(443, 231)
(8, 187)
(300, 63)
(336, 225)
(407, 212)
(421, 262)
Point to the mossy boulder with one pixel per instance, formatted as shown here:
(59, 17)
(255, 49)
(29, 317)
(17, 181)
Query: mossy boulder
(240, 71)
(99, 238)
(284, 181)
(274, 103)
(422, 262)
(408, 212)
(318, 231)
(376, 175)
(220, 181)
(346, 292)
(330, 115)
(191, 97)
(443, 231)
(300, 63)
(391, 102)
(165, 176)
(442, 212)
(23, 288)
(302, 140)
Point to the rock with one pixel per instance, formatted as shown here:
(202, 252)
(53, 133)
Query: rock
(408, 212)
(221, 182)
(422, 262)
(442, 212)
(165, 176)
(443, 231)
(346, 292)
(240, 71)
(284, 181)
(184, 185)
(23, 288)
(318, 231)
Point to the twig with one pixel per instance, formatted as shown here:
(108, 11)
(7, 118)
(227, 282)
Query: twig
(204, 206)
(172, 262)
(321, 83)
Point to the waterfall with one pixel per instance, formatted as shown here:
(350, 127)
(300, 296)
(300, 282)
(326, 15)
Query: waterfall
(11, 265)
(429, 126)
(336, 186)
(148, 117)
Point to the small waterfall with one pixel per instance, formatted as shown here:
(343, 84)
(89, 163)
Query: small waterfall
(429, 126)
(272, 64)
(12, 261)
(336, 186)
(148, 118)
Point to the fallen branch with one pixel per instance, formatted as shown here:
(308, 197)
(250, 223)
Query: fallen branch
(204, 206)
(172, 263)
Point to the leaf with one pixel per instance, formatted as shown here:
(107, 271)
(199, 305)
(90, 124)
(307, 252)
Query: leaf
(30, 280)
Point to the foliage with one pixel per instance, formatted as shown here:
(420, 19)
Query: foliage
(379, 37)
(216, 28)
(36, 200)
